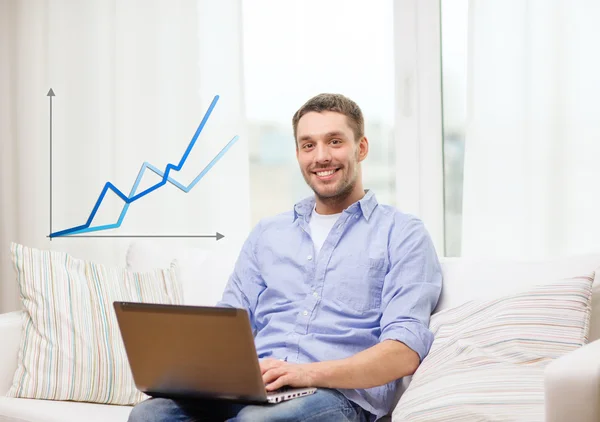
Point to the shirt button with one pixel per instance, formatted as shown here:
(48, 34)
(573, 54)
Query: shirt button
(356, 216)
(309, 257)
(305, 313)
(315, 294)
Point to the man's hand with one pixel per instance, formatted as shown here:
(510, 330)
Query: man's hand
(377, 365)
(277, 374)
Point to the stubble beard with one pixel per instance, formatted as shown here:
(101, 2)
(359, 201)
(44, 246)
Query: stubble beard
(341, 194)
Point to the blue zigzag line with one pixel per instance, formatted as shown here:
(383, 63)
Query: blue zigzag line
(165, 178)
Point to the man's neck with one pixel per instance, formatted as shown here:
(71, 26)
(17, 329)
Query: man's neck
(337, 204)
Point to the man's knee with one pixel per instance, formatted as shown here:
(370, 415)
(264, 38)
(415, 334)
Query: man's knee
(153, 410)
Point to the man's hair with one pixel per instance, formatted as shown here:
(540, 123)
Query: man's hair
(337, 103)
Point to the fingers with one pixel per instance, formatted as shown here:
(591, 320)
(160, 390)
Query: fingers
(269, 363)
(272, 374)
(278, 383)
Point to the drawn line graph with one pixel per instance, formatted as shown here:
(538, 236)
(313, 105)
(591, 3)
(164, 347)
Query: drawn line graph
(85, 228)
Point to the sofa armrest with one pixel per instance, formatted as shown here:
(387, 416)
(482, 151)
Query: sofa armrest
(10, 338)
(572, 386)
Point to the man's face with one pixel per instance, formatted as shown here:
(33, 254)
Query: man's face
(328, 154)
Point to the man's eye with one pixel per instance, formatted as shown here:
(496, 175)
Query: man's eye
(306, 146)
(337, 141)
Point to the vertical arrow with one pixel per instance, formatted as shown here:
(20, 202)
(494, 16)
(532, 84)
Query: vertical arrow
(50, 95)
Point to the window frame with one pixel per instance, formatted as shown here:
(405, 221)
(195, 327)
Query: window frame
(418, 115)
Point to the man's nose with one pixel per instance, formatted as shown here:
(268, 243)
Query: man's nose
(323, 154)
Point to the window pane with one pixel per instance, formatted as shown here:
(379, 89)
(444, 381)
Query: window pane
(294, 50)
(454, 79)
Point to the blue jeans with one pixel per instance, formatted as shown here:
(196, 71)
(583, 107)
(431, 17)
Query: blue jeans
(325, 405)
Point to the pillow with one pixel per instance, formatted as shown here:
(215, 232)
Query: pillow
(488, 358)
(71, 346)
(203, 283)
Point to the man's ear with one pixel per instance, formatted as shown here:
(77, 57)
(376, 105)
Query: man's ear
(363, 148)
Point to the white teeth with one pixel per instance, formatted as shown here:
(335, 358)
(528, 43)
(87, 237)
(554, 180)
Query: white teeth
(325, 173)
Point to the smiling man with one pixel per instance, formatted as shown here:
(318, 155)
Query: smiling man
(339, 290)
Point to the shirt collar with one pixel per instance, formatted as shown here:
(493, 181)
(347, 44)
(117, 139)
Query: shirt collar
(366, 205)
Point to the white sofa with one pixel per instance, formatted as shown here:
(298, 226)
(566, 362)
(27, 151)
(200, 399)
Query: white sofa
(572, 383)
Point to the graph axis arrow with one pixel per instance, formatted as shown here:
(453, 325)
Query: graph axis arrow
(50, 95)
(217, 236)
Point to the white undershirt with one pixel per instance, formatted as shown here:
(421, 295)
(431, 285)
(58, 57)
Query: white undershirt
(320, 226)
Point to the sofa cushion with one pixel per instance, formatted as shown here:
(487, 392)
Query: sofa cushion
(29, 410)
(477, 278)
(488, 358)
(71, 347)
(10, 333)
(146, 255)
(203, 273)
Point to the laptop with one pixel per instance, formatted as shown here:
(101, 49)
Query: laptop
(180, 351)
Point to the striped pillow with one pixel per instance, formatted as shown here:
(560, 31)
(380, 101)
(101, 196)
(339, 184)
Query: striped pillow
(488, 357)
(71, 346)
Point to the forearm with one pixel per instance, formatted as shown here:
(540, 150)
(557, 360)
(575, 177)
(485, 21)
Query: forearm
(378, 365)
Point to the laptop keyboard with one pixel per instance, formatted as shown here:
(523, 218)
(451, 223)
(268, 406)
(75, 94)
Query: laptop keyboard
(286, 393)
(279, 391)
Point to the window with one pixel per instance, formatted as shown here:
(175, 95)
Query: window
(294, 50)
(454, 27)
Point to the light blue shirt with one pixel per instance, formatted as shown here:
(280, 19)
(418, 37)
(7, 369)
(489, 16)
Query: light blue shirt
(377, 277)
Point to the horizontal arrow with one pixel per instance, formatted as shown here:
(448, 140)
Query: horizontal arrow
(217, 236)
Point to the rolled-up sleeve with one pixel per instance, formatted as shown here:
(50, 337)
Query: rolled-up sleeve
(245, 283)
(411, 288)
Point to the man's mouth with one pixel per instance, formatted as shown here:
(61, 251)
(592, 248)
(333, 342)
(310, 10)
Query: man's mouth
(325, 174)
